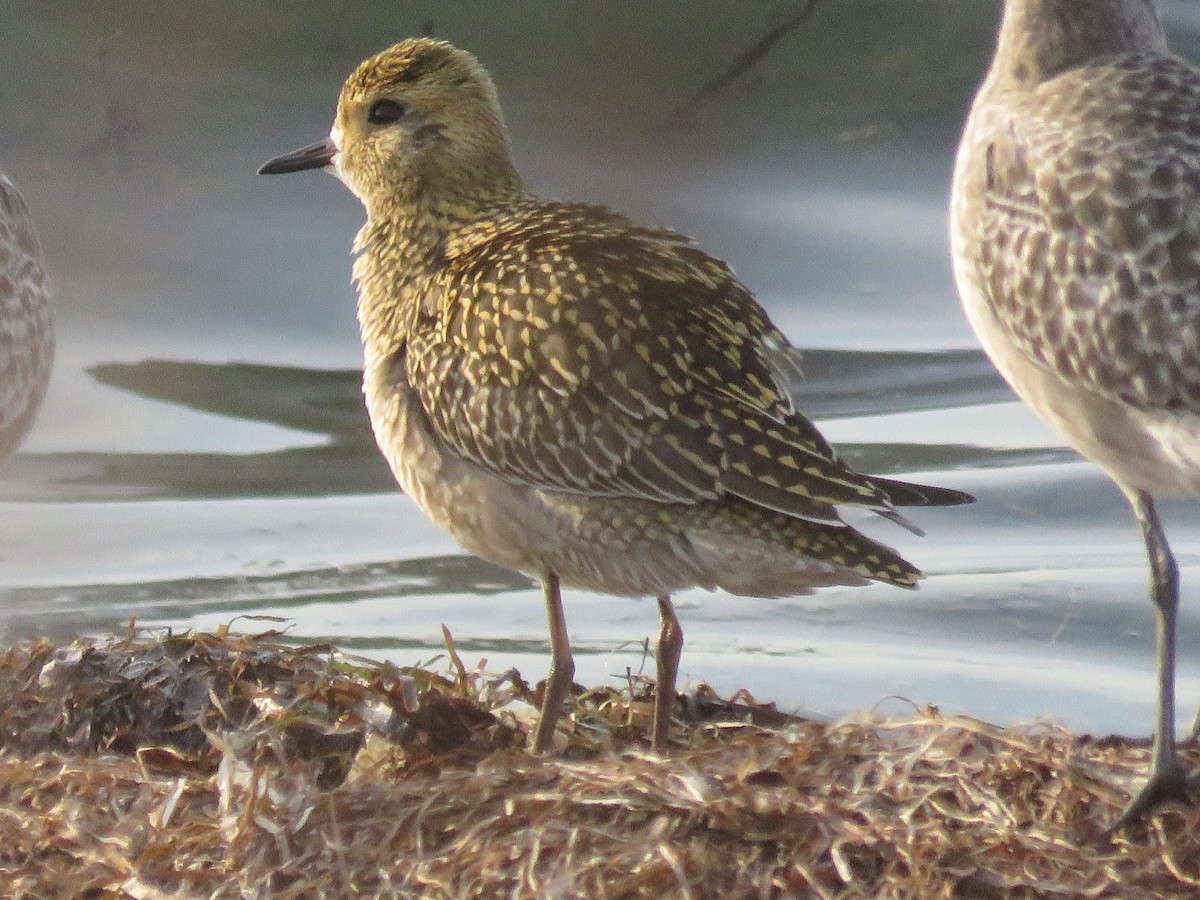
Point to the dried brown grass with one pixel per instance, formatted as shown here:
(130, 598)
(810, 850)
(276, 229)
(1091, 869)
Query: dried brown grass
(211, 766)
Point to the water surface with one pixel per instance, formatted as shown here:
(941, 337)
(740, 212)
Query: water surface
(203, 454)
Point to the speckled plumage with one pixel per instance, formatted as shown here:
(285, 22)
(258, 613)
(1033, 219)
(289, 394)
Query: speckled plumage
(568, 393)
(1075, 227)
(26, 321)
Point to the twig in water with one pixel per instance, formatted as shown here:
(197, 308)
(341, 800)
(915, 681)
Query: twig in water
(750, 57)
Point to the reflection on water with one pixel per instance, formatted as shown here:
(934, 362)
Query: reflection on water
(192, 491)
(98, 606)
(319, 537)
(329, 404)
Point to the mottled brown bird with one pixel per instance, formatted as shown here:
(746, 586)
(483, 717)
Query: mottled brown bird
(1076, 241)
(571, 394)
(26, 321)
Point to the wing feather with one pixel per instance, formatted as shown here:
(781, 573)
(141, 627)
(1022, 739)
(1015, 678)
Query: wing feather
(589, 355)
(1090, 229)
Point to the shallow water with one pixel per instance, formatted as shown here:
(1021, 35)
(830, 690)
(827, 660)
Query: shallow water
(203, 454)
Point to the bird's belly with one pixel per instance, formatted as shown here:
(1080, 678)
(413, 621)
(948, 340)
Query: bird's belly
(1153, 450)
(488, 516)
(599, 544)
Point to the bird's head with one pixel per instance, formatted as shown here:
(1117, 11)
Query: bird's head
(419, 120)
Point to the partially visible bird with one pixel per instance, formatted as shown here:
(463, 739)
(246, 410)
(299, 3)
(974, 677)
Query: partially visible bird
(1075, 226)
(26, 321)
(572, 395)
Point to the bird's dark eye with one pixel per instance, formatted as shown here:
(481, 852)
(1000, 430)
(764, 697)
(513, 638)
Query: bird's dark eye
(385, 112)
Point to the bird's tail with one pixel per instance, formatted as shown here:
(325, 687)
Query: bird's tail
(905, 493)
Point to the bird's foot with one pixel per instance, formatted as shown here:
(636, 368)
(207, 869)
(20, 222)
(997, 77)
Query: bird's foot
(1167, 784)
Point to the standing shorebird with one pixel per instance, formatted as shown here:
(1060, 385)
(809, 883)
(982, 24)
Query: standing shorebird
(1076, 241)
(26, 321)
(568, 393)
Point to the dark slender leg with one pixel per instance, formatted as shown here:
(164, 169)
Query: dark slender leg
(562, 666)
(1167, 779)
(670, 647)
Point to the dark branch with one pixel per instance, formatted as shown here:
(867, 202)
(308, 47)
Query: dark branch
(750, 57)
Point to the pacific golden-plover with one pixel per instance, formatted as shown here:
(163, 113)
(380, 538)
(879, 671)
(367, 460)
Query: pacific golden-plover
(568, 393)
(1075, 227)
(26, 321)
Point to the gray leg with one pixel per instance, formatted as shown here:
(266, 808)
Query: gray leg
(562, 666)
(1167, 778)
(670, 647)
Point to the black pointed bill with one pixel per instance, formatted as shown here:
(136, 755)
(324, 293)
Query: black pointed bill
(314, 156)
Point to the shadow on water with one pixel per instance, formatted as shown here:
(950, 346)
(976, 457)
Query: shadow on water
(837, 384)
(843, 383)
(96, 607)
(811, 151)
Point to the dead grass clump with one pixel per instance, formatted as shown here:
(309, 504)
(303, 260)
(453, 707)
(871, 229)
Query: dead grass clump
(214, 766)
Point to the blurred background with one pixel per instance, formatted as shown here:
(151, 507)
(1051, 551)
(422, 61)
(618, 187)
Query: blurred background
(203, 453)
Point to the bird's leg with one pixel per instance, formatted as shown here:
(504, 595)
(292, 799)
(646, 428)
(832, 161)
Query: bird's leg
(670, 647)
(562, 666)
(1167, 778)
